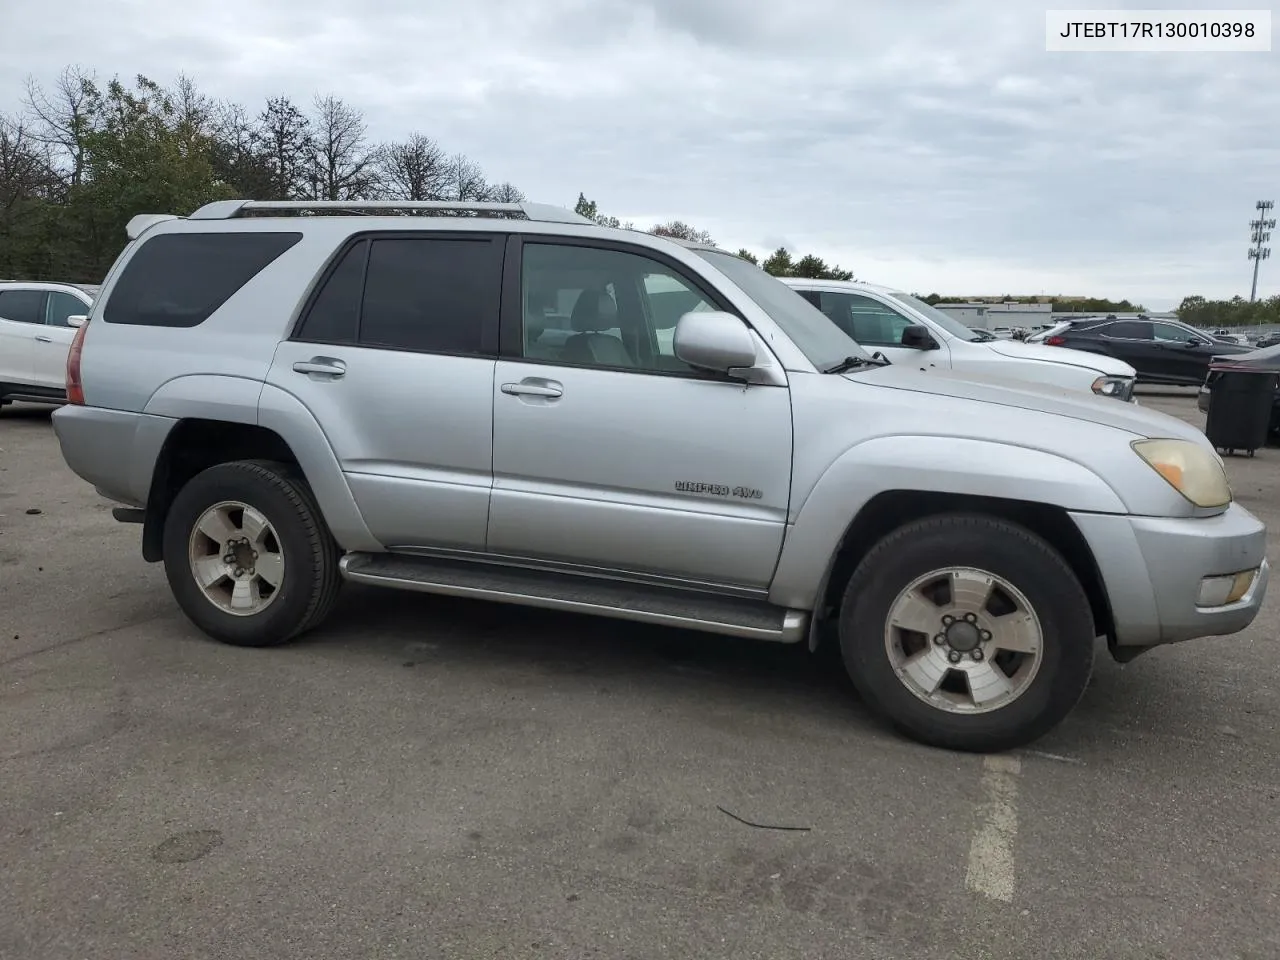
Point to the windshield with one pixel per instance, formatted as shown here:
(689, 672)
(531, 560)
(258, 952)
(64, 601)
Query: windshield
(947, 323)
(813, 333)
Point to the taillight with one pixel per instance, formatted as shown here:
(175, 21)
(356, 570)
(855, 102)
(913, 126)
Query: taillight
(75, 389)
(1055, 341)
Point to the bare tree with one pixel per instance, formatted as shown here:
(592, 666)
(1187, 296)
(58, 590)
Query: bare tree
(415, 169)
(343, 166)
(505, 193)
(65, 118)
(465, 180)
(238, 156)
(25, 171)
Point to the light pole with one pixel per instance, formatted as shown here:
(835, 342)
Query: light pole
(1261, 228)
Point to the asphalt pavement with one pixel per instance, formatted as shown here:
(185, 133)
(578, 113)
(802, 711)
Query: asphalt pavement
(429, 778)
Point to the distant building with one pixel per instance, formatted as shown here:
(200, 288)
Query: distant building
(988, 316)
(981, 315)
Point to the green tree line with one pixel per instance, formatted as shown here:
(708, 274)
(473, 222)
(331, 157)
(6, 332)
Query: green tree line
(1236, 312)
(1060, 304)
(83, 156)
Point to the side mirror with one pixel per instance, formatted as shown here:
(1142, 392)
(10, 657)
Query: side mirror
(711, 340)
(917, 337)
(1192, 342)
(77, 320)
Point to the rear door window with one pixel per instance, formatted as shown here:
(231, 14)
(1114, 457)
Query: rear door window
(1128, 330)
(22, 306)
(432, 294)
(180, 279)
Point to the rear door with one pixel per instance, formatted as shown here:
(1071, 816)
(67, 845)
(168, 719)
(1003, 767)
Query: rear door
(1132, 342)
(394, 356)
(21, 321)
(49, 354)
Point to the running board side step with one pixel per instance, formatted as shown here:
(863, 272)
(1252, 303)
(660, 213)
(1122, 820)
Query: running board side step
(644, 603)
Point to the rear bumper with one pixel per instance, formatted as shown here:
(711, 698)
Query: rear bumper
(1161, 573)
(114, 450)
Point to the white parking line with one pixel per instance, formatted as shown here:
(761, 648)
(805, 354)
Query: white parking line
(991, 857)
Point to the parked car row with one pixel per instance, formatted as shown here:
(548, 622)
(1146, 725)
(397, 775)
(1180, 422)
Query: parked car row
(491, 406)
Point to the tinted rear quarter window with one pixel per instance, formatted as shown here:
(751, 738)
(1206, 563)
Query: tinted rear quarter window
(22, 306)
(433, 295)
(335, 311)
(180, 279)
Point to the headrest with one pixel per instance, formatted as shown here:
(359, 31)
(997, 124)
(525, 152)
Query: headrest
(594, 310)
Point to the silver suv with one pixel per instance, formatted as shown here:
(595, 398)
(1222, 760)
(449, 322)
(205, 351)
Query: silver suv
(483, 401)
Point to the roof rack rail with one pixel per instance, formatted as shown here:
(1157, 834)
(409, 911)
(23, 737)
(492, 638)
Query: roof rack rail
(228, 209)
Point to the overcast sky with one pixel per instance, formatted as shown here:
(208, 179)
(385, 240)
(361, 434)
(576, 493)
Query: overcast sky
(928, 144)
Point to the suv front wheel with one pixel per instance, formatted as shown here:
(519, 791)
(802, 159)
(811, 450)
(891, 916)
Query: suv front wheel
(247, 554)
(968, 632)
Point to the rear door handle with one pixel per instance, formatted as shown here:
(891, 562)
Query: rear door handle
(323, 366)
(540, 388)
(41, 338)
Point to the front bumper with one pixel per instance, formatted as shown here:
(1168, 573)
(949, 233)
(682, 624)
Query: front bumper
(1155, 569)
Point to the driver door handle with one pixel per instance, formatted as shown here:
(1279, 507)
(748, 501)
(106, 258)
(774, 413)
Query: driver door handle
(41, 338)
(547, 388)
(323, 366)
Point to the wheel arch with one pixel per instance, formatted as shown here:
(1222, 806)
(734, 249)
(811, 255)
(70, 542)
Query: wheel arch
(290, 435)
(891, 509)
(195, 444)
(876, 486)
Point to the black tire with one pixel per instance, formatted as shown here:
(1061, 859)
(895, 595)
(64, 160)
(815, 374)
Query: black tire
(1002, 548)
(311, 581)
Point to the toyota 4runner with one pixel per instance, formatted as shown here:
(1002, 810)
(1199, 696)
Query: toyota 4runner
(478, 400)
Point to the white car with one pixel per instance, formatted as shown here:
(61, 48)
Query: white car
(907, 330)
(36, 329)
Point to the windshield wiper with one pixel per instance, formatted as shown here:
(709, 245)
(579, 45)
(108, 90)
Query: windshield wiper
(877, 359)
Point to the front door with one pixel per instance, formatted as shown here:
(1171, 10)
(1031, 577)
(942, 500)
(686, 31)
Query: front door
(608, 451)
(394, 357)
(1133, 342)
(1185, 355)
(878, 327)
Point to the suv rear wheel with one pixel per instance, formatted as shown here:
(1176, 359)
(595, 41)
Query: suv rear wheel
(968, 632)
(247, 554)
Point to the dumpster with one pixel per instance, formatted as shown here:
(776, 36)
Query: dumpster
(1240, 400)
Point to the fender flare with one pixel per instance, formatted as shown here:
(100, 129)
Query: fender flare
(254, 403)
(928, 464)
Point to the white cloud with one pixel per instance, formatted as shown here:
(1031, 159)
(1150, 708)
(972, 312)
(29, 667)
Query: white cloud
(928, 144)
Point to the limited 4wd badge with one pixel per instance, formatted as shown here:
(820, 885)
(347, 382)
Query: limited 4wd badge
(718, 490)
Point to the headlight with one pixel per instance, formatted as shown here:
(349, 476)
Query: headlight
(1121, 388)
(1193, 471)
